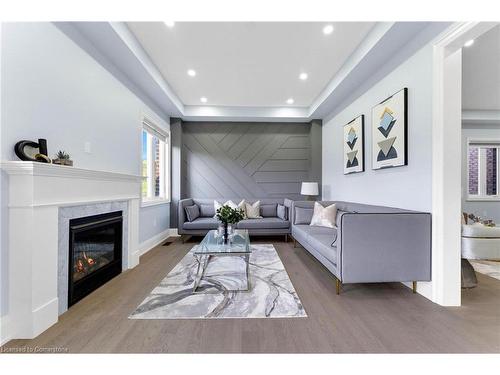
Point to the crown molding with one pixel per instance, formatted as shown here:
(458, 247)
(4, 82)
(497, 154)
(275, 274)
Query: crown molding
(481, 117)
(225, 113)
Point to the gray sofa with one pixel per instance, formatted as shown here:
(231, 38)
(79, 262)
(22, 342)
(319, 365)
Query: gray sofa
(268, 225)
(369, 244)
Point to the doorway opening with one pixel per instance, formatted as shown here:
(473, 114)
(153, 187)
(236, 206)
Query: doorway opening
(446, 158)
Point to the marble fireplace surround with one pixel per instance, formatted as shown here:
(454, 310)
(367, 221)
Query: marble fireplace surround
(42, 200)
(73, 212)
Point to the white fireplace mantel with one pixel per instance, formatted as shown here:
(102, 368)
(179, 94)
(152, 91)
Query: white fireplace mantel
(39, 184)
(36, 192)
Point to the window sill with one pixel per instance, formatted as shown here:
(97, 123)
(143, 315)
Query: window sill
(495, 198)
(154, 202)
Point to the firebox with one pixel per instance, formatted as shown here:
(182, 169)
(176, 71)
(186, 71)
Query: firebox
(95, 253)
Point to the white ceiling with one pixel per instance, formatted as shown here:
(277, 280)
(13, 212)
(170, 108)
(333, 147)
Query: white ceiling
(384, 46)
(481, 73)
(253, 64)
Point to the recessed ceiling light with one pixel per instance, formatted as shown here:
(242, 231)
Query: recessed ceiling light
(191, 72)
(469, 43)
(203, 99)
(289, 101)
(303, 76)
(328, 29)
(170, 24)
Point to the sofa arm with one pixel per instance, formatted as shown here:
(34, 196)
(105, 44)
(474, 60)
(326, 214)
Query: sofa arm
(181, 213)
(385, 247)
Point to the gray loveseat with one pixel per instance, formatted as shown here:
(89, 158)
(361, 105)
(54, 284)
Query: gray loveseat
(270, 224)
(369, 244)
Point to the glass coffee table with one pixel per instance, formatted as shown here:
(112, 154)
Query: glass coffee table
(213, 245)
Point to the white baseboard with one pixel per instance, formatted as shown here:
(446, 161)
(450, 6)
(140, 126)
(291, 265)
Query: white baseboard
(151, 243)
(45, 316)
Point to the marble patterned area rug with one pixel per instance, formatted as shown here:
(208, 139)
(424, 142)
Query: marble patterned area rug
(271, 293)
(487, 267)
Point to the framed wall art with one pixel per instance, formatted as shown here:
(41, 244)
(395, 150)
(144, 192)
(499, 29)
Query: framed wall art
(354, 141)
(390, 131)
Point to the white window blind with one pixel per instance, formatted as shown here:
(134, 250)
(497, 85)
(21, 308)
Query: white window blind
(483, 169)
(155, 163)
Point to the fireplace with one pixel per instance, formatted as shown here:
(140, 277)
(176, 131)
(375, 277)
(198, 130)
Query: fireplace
(95, 253)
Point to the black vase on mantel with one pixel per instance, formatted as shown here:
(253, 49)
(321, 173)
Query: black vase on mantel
(41, 156)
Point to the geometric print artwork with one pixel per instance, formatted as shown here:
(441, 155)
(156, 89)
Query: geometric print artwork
(389, 131)
(354, 146)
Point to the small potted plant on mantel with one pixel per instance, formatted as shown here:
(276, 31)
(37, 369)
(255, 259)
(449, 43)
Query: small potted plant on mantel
(62, 158)
(228, 215)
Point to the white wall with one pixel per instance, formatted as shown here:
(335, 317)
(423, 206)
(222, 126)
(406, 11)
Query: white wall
(486, 210)
(52, 89)
(408, 187)
(405, 187)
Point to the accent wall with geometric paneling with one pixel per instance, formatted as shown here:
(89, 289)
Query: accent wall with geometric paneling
(249, 159)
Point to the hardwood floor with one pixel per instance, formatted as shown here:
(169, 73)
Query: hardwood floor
(364, 318)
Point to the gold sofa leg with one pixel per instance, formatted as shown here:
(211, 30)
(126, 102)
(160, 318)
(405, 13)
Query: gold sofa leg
(337, 285)
(286, 237)
(414, 286)
(294, 243)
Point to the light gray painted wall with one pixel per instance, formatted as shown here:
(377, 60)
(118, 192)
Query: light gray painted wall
(481, 74)
(175, 163)
(406, 187)
(4, 257)
(4, 260)
(249, 160)
(486, 210)
(316, 152)
(153, 220)
(52, 89)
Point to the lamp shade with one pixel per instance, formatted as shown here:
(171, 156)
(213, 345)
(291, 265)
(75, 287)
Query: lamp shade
(309, 188)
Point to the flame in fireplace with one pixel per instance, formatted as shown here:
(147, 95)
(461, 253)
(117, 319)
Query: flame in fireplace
(79, 266)
(90, 261)
(84, 263)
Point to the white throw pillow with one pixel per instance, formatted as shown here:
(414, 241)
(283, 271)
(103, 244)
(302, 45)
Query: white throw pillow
(253, 210)
(231, 204)
(324, 216)
(217, 205)
(242, 206)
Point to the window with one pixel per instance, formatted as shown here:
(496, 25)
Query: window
(155, 164)
(483, 169)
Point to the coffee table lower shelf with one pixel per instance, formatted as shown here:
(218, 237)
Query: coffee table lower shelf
(204, 259)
